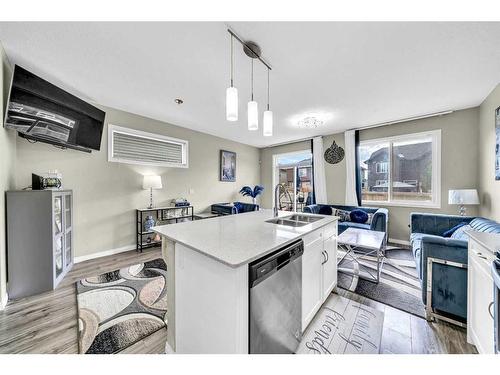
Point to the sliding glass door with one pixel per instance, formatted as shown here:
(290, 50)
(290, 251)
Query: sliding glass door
(294, 172)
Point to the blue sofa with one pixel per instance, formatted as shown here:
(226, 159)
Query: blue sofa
(379, 220)
(233, 208)
(449, 281)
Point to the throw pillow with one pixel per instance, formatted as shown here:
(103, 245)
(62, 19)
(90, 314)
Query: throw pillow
(325, 210)
(450, 231)
(238, 207)
(460, 234)
(343, 215)
(358, 216)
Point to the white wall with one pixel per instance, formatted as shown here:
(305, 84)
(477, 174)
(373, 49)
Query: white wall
(7, 168)
(106, 194)
(489, 188)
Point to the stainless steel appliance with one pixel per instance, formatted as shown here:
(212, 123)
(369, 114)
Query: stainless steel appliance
(276, 301)
(495, 273)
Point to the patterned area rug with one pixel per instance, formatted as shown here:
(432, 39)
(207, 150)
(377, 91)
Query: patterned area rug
(399, 284)
(343, 326)
(120, 308)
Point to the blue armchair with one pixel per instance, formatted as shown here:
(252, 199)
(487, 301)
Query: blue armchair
(442, 262)
(379, 220)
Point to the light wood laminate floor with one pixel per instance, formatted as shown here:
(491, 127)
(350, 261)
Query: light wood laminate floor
(47, 323)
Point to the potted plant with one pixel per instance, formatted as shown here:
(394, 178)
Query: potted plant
(247, 191)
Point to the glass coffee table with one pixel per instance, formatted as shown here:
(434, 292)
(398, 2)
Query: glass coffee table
(358, 243)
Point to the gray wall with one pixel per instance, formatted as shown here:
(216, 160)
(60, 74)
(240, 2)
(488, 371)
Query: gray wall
(106, 194)
(7, 166)
(489, 188)
(459, 160)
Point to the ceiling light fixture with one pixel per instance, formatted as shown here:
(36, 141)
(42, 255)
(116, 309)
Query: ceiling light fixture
(232, 94)
(253, 51)
(253, 109)
(178, 101)
(310, 122)
(268, 115)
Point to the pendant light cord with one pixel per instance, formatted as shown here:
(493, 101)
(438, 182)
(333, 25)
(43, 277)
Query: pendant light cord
(252, 78)
(232, 57)
(268, 89)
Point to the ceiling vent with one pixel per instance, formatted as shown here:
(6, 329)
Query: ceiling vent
(137, 147)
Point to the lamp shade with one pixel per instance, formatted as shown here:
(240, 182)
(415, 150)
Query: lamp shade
(268, 123)
(232, 104)
(253, 115)
(151, 182)
(463, 196)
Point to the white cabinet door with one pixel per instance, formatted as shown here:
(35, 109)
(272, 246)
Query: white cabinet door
(311, 279)
(329, 266)
(480, 297)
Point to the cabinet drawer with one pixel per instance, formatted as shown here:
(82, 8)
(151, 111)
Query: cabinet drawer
(330, 230)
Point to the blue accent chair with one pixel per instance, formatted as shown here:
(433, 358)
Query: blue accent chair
(449, 281)
(379, 221)
(235, 208)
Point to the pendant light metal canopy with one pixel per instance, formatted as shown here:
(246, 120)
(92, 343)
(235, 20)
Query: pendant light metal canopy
(232, 95)
(253, 51)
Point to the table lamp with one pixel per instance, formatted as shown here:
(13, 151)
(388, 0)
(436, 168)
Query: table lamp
(463, 197)
(151, 182)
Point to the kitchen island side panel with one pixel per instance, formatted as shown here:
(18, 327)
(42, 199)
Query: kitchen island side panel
(211, 304)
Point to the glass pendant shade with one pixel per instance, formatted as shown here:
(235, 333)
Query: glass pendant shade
(268, 123)
(253, 115)
(232, 104)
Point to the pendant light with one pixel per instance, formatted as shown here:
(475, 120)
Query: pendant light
(253, 110)
(232, 95)
(268, 115)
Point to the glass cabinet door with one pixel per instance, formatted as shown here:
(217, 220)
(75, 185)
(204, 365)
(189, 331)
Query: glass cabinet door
(58, 236)
(68, 224)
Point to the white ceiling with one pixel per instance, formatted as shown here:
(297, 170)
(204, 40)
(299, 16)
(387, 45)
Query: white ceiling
(357, 74)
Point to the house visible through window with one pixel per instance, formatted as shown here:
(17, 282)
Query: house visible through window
(403, 170)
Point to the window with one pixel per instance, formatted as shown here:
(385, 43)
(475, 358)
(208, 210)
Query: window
(402, 170)
(382, 167)
(137, 147)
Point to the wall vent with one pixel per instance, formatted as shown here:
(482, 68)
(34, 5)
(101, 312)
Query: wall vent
(137, 147)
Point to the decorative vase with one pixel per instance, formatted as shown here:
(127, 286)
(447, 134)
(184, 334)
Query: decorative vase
(254, 200)
(149, 223)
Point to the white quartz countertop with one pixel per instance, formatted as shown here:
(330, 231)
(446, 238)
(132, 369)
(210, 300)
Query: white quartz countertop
(491, 241)
(238, 239)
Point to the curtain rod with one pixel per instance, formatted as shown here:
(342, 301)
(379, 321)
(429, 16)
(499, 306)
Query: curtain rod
(421, 117)
(369, 127)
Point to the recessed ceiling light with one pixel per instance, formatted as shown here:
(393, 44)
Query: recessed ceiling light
(310, 122)
(178, 101)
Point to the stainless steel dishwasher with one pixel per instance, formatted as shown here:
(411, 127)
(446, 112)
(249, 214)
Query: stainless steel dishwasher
(276, 301)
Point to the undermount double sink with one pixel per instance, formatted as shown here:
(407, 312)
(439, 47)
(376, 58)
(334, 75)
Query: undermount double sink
(295, 220)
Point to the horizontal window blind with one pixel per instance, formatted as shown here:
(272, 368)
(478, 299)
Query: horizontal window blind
(137, 147)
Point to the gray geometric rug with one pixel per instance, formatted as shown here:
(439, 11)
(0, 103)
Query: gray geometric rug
(343, 326)
(122, 307)
(399, 284)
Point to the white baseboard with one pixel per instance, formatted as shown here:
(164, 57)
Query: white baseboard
(101, 254)
(3, 300)
(399, 242)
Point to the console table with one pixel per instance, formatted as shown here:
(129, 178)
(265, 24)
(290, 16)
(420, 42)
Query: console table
(162, 216)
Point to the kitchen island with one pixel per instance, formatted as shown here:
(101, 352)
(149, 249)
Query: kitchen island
(208, 274)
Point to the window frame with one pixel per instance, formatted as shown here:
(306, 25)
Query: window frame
(435, 135)
(382, 170)
(142, 134)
